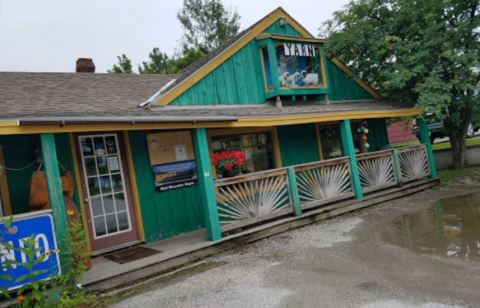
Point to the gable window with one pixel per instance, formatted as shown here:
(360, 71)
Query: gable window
(267, 71)
(299, 65)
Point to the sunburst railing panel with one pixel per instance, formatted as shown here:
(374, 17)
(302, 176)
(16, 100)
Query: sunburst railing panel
(323, 181)
(413, 162)
(376, 170)
(251, 198)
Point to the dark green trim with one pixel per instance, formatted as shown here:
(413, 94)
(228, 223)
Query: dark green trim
(293, 191)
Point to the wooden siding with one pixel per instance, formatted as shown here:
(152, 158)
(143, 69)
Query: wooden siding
(377, 134)
(400, 132)
(164, 214)
(19, 152)
(277, 29)
(343, 87)
(298, 144)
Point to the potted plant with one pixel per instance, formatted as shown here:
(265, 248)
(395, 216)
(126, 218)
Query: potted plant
(228, 163)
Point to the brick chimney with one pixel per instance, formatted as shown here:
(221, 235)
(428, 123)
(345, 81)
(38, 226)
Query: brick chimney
(85, 65)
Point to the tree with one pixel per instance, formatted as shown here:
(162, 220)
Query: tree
(423, 52)
(159, 63)
(207, 24)
(124, 66)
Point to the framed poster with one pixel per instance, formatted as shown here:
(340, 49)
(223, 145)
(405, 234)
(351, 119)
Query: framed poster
(172, 160)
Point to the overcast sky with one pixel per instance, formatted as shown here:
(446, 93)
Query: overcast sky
(49, 35)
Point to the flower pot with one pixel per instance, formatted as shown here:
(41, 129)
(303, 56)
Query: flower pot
(230, 173)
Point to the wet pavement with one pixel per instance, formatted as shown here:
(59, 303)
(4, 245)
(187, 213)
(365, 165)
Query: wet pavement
(417, 251)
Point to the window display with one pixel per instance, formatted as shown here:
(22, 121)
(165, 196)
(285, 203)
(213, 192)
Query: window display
(299, 65)
(257, 150)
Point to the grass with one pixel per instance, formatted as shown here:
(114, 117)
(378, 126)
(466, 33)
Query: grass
(447, 145)
(452, 174)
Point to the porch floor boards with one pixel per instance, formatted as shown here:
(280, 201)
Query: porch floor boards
(106, 275)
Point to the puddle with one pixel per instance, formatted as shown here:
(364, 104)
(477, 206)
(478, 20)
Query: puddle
(451, 228)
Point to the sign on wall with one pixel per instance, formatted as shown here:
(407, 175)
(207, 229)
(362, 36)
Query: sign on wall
(12, 239)
(172, 160)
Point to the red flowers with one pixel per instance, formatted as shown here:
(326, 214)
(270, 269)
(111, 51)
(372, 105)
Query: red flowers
(228, 159)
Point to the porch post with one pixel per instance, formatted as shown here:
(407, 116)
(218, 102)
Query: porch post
(425, 139)
(349, 150)
(293, 191)
(54, 187)
(205, 183)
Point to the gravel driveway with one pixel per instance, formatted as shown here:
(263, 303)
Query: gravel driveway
(342, 262)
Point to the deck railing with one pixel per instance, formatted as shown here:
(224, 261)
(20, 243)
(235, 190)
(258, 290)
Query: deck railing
(377, 170)
(252, 198)
(323, 181)
(413, 162)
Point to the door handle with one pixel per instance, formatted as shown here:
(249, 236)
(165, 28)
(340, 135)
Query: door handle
(85, 200)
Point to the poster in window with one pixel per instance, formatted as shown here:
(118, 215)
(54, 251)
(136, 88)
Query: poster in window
(298, 65)
(172, 160)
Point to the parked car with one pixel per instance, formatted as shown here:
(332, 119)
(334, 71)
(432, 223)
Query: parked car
(437, 129)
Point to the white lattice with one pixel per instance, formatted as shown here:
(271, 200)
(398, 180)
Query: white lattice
(252, 198)
(376, 171)
(413, 163)
(324, 182)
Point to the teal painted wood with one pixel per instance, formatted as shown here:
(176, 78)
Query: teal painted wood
(396, 166)
(278, 29)
(19, 151)
(343, 87)
(349, 150)
(164, 214)
(205, 183)
(239, 80)
(298, 144)
(293, 190)
(425, 139)
(64, 155)
(55, 194)
(377, 134)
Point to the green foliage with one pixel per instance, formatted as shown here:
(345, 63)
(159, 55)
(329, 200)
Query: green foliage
(59, 291)
(124, 65)
(421, 52)
(207, 24)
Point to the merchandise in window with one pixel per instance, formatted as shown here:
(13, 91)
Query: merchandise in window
(256, 147)
(298, 65)
(331, 139)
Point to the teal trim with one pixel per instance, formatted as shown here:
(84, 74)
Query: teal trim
(55, 194)
(349, 150)
(425, 139)
(272, 56)
(205, 182)
(396, 166)
(293, 190)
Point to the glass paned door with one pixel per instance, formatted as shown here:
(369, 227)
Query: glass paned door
(107, 194)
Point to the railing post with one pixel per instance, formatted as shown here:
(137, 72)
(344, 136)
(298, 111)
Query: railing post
(55, 194)
(396, 166)
(349, 150)
(425, 139)
(293, 190)
(205, 183)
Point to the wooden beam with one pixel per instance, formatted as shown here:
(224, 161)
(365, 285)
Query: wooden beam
(205, 182)
(349, 150)
(55, 194)
(425, 139)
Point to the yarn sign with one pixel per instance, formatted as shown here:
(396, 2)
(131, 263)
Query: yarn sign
(13, 242)
(298, 65)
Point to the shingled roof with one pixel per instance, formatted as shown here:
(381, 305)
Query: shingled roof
(76, 94)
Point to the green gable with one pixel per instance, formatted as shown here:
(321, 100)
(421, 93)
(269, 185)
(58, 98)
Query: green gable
(343, 87)
(278, 29)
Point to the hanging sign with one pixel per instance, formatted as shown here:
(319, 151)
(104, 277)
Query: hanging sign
(302, 50)
(172, 160)
(13, 238)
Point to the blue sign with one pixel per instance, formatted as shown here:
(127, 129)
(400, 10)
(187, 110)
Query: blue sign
(40, 226)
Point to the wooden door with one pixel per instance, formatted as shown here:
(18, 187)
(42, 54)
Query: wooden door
(108, 202)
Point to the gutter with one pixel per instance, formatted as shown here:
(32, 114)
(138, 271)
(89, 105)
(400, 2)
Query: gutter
(113, 120)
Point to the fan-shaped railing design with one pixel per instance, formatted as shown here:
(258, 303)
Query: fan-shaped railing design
(376, 170)
(413, 162)
(323, 181)
(251, 198)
